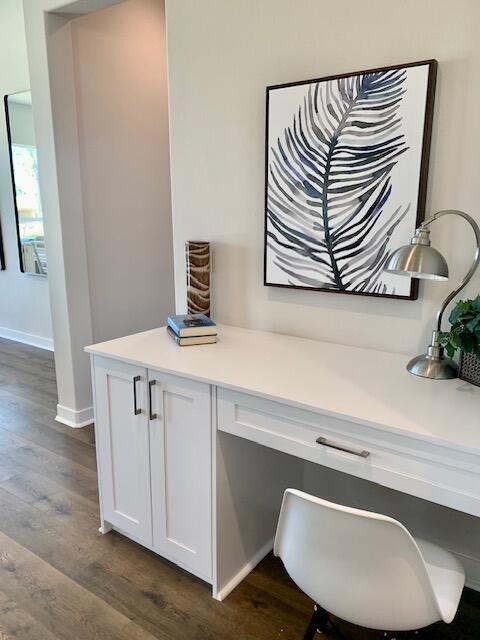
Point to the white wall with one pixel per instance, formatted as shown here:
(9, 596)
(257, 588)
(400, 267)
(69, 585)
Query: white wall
(125, 293)
(24, 302)
(222, 55)
(51, 73)
(122, 110)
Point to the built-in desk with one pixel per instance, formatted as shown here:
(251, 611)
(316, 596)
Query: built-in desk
(178, 431)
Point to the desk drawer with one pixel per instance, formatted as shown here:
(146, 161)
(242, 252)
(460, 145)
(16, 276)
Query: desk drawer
(405, 463)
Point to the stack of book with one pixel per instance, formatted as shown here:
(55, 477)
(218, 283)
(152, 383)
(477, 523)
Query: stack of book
(192, 329)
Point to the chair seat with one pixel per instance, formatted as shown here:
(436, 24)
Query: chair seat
(446, 575)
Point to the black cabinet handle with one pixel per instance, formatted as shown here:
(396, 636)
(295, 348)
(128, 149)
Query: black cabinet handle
(152, 416)
(136, 410)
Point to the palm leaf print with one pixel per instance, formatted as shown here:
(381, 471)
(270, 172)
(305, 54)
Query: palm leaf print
(329, 183)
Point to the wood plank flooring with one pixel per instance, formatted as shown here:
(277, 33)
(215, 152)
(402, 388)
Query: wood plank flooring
(62, 580)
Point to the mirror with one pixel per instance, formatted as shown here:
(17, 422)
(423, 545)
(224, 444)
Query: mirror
(24, 168)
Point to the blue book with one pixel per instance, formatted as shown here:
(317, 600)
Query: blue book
(196, 324)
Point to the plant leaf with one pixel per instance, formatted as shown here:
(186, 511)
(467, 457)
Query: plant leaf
(450, 349)
(466, 341)
(462, 307)
(474, 322)
(476, 304)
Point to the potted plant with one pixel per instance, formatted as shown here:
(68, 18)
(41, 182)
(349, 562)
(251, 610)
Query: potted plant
(464, 336)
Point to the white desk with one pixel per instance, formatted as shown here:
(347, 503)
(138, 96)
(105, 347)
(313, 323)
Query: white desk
(422, 437)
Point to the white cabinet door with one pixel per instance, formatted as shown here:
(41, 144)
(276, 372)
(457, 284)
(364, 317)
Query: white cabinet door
(180, 440)
(122, 435)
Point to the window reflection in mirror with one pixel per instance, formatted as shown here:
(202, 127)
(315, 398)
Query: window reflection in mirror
(23, 161)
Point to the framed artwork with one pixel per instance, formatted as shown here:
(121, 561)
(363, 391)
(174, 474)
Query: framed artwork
(346, 177)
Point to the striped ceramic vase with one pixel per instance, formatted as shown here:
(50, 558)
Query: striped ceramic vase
(198, 277)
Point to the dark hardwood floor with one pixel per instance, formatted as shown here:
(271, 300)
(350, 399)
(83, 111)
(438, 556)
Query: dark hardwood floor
(62, 580)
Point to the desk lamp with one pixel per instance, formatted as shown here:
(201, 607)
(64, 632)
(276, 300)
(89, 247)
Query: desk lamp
(420, 260)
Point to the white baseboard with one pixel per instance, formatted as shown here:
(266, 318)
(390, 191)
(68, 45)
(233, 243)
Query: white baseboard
(472, 569)
(27, 338)
(244, 571)
(73, 418)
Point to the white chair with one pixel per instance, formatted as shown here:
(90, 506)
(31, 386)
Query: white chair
(364, 567)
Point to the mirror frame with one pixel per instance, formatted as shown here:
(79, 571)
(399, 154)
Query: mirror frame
(14, 186)
(2, 253)
(12, 177)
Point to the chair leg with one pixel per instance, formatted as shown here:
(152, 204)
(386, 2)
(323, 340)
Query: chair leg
(318, 623)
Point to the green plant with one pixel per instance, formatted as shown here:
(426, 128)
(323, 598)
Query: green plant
(464, 333)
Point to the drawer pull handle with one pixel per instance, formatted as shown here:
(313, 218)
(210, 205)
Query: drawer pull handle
(328, 443)
(151, 415)
(136, 410)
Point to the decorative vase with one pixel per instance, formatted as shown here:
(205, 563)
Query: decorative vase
(470, 368)
(198, 277)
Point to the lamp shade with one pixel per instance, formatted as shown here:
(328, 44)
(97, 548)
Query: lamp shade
(418, 261)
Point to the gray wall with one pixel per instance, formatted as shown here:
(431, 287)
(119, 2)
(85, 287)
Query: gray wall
(121, 87)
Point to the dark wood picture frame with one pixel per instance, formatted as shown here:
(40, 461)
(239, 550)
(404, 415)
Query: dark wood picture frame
(424, 166)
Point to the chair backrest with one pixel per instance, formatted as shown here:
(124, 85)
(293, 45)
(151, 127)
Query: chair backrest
(362, 567)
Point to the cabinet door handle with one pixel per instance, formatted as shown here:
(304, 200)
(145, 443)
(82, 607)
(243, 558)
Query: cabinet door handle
(136, 410)
(151, 415)
(328, 443)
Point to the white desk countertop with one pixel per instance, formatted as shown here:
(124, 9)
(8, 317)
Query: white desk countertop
(360, 385)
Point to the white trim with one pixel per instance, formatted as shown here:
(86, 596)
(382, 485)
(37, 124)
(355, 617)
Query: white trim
(105, 528)
(222, 593)
(472, 569)
(213, 488)
(471, 565)
(73, 418)
(27, 338)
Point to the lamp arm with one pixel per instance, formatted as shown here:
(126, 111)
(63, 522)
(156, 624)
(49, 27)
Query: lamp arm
(474, 265)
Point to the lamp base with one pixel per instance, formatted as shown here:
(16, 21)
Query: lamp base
(435, 368)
